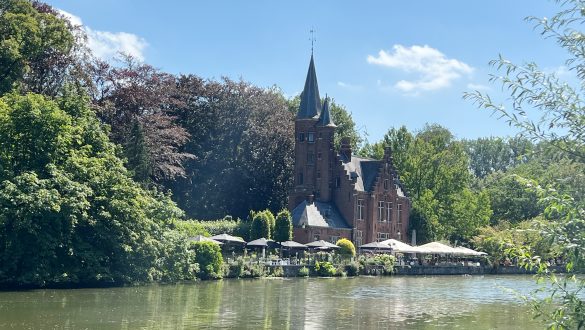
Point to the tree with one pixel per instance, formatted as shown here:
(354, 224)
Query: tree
(469, 211)
(434, 170)
(260, 226)
(560, 124)
(243, 139)
(510, 199)
(40, 51)
(283, 228)
(488, 155)
(70, 211)
(136, 98)
(137, 154)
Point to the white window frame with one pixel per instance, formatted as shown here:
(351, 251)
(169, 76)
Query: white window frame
(389, 206)
(381, 211)
(399, 210)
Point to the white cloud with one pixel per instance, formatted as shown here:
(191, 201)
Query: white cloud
(106, 44)
(432, 69)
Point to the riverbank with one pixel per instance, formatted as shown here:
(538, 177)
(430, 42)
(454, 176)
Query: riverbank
(292, 271)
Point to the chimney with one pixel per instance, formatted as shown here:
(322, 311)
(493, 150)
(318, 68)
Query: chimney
(388, 153)
(345, 149)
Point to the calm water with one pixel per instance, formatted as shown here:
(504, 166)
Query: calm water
(464, 302)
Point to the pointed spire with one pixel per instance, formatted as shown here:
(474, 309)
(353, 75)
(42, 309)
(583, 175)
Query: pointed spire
(310, 100)
(325, 118)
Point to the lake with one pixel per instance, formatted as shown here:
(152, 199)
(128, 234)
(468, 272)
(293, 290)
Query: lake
(405, 302)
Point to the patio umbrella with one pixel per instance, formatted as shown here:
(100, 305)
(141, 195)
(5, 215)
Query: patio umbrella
(322, 244)
(201, 238)
(293, 245)
(436, 248)
(228, 239)
(400, 247)
(468, 252)
(261, 242)
(375, 246)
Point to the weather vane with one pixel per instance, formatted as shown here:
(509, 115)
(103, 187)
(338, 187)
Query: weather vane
(312, 31)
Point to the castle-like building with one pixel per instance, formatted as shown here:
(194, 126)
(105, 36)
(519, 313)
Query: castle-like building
(339, 195)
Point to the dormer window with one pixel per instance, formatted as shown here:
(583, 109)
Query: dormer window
(311, 137)
(301, 137)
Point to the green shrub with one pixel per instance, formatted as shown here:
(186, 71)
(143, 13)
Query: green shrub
(385, 260)
(209, 258)
(271, 221)
(283, 227)
(325, 269)
(261, 225)
(346, 248)
(352, 269)
(177, 261)
(240, 268)
(303, 272)
(254, 270)
(235, 268)
(277, 272)
(226, 225)
(190, 228)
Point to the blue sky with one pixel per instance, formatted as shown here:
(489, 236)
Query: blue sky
(391, 63)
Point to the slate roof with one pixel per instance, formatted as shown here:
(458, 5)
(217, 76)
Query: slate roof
(310, 100)
(318, 214)
(325, 117)
(364, 170)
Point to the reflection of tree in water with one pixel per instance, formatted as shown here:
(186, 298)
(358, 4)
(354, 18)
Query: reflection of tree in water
(315, 303)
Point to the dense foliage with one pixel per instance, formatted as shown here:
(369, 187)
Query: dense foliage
(209, 258)
(434, 169)
(558, 125)
(261, 225)
(346, 248)
(283, 229)
(70, 211)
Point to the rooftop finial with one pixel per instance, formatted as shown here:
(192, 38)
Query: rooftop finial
(312, 31)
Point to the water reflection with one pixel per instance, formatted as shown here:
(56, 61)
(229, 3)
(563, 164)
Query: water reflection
(476, 302)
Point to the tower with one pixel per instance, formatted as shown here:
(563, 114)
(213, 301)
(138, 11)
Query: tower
(314, 152)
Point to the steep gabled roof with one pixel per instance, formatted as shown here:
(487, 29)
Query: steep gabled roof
(325, 118)
(364, 170)
(318, 214)
(310, 99)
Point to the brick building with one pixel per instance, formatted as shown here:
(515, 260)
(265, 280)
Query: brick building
(339, 195)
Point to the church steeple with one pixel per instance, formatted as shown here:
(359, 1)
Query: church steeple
(310, 100)
(325, 118)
